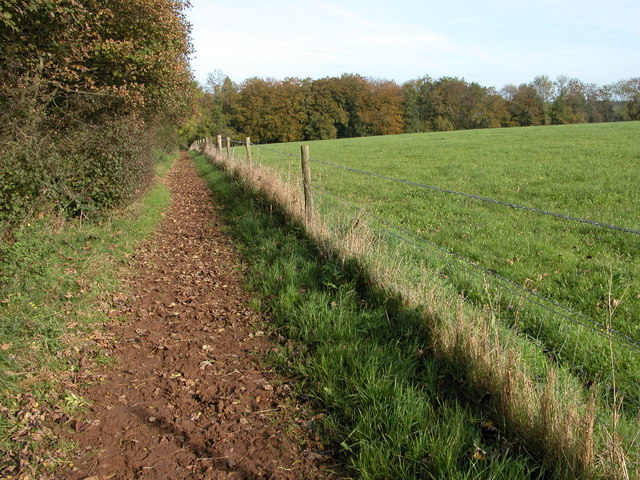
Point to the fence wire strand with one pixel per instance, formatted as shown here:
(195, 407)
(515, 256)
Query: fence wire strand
(480, 198)
(279, 152)
(509, 285)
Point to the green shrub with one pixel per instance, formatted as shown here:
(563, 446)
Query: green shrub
(77, 166)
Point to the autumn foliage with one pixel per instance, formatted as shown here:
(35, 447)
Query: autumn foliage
(271, 110)
(83, 86)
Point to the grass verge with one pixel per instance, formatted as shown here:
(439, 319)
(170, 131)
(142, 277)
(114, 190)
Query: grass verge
(392, 408)
(58, 282)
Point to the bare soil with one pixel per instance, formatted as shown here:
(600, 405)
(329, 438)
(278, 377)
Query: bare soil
(189, 396)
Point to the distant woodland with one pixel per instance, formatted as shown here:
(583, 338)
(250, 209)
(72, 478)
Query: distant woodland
(351, 106)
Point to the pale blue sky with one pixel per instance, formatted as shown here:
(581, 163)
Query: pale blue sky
(491, 42)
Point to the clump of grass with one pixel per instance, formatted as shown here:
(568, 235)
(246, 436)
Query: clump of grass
(534, 399)
(57, 283)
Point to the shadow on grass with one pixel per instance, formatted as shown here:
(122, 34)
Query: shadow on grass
(392, 410)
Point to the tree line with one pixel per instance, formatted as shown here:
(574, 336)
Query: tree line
(87, 88)
(351, 105)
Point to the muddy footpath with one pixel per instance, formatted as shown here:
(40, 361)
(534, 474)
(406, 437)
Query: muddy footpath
(189, 394)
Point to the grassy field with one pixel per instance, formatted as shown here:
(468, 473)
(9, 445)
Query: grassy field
(540, 372)
(587, 171)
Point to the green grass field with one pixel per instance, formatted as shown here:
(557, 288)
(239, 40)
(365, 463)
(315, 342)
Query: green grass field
(587, 171)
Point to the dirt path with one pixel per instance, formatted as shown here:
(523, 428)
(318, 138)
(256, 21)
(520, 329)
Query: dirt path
(188, 397)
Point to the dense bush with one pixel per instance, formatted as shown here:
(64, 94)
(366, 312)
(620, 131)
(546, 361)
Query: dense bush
(83, 87)
(76, 166)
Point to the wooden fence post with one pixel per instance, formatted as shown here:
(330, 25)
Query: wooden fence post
(228, 148)
(247, 144)
(219, 143)
(306, 183)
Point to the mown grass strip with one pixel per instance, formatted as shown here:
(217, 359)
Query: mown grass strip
(57, 282)
(392, 409)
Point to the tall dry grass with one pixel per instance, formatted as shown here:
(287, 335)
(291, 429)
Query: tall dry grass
(549, 412)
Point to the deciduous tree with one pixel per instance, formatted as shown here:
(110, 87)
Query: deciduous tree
(325, 115)
(525, 106)
(629, 91)
(271, 110)
(81, 73)
(544, 88)
(382, 108)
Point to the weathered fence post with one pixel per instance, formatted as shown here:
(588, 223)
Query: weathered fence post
(247, 144)
(306, 183)
(228, 149)
(219, 144)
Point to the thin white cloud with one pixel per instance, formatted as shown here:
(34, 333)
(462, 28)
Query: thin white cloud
(494, 42)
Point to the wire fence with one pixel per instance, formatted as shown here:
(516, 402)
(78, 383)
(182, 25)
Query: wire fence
(531, 297)
(559, 215)
(468, 195)
(501, 282)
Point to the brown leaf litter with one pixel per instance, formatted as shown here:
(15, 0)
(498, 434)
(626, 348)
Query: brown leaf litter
(189, 396)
